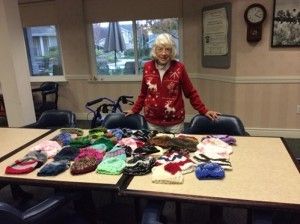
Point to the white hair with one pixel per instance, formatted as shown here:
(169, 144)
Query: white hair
(164, 40)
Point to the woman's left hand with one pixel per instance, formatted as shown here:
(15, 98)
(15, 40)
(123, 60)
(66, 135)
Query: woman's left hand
(213, 115)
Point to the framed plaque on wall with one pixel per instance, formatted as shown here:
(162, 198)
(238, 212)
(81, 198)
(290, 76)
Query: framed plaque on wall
(216, 36)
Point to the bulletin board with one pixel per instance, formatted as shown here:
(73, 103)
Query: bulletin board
(216, 36)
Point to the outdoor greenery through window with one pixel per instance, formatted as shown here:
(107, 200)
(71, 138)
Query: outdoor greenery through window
(123, 47)
(43, 51)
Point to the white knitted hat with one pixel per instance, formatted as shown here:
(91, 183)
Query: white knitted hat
(161, 176)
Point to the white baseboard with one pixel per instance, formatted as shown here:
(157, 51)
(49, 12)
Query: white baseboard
(269, 132)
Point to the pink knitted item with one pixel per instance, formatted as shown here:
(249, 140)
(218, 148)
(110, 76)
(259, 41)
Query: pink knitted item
(51, 148)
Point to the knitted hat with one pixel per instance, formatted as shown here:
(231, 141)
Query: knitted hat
(185, 142)
(161, 176)
(225, 138)
(51, 148)
(80, 142)
(63, 138)
(209, 171)
(84, 165)
(117, 132)
(131, 142)
(146, 150)
(39, 156)
(67, 153)
(98, 147)
(91, 153)
(30, 162)
(106, 141)
(77, 131)
(113, 161)
(22, 166)
(214, 148)
(201, 158)
(54, 168)
(139, 165)
(111, 166)
(117, 152)
(175, 162)
(162, 141)
(97, 130)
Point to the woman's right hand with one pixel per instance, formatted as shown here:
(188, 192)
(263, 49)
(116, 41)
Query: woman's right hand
(128, 112)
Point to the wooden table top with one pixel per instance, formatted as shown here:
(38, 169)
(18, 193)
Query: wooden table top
(263, 174)
(13, 138)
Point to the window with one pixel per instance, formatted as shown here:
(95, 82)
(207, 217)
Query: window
(43, 51)
(122, 48)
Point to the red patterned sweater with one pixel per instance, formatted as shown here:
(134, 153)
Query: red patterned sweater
(162, 99)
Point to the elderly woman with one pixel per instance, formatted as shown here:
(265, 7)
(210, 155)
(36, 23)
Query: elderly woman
(164, 81)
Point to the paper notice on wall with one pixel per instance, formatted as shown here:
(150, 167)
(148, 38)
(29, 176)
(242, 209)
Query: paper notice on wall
(215, 31)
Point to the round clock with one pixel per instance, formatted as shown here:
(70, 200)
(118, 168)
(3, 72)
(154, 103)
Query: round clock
(254, 15)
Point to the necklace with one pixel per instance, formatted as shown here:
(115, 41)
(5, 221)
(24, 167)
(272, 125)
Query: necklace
(161, 66)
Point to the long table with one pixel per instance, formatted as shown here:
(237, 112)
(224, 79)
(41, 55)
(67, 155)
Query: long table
(264, 175)
(66, 179)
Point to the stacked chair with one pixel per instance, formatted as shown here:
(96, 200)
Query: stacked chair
(47, 97)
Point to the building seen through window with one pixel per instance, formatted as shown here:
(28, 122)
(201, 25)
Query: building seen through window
(43, 51)
(123, 47)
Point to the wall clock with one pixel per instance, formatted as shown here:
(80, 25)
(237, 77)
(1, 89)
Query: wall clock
(255, 15)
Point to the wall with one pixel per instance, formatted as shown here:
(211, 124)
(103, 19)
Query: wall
(262, 86)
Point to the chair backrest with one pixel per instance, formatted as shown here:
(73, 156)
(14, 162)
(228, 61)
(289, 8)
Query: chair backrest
(56, 119)
(225, 124)
(49, 88)
(119, 120)
(9, 214)
(129, 68)
(36, 213)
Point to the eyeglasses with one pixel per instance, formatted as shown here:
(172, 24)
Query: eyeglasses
(167, 50)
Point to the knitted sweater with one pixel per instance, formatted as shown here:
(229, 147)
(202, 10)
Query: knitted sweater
(162, 99)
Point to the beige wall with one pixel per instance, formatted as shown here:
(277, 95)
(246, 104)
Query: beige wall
(262, 86)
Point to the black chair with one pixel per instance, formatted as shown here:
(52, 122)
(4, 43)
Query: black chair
(225, 124)
(119, 120)
(55, 119)
(49, 97)
(129, 68)
(37, 213)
